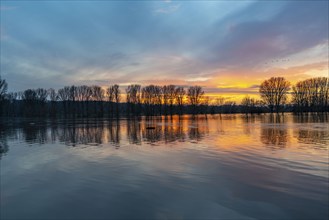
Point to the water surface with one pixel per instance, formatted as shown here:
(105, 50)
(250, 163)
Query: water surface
(228, 167)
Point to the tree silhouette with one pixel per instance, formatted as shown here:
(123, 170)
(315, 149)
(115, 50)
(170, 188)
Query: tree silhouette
(152, 99)
(274, 92)
(311, 95)
(30, 98)
(3, 91)
(248, 104)
(195, 95)
(110, 96)
(179, 96)
(117, 98)
(133, 99)
(3, 88)
(171, 89)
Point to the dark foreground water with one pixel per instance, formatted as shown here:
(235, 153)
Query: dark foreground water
(229, 167)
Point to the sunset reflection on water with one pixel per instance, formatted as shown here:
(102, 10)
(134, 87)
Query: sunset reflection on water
(229, 166)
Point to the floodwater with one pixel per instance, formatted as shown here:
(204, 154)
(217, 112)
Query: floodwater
(228, 167)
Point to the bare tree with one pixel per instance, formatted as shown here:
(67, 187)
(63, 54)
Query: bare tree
(3, 88)
(220, 102)
(12, 96)
(85, 95)
(133, 98)
(110, 93)
(248, 104)
(117, 98)
(205, 105)
(3, 91)
(172, 97)
(195, 95)
(169, 98)
(53, 98)
(29, 98)
(72, 93)
(114, 95)
(179, 96)
(64, 93)
(52, 95)
(158, 99)
(97, 97)
(274, 92)
(151, 98)
(311, 94)
(97, 93)
(110, 97)
(165, 96)
(42, 95)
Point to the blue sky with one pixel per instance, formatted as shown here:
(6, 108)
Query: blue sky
(225, 46)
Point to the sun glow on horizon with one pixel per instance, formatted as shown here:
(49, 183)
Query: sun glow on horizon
(228, 48)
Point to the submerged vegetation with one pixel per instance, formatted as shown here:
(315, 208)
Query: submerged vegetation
(311, 95)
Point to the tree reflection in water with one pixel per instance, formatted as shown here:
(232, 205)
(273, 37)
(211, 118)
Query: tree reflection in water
(35, 132)
(198, 127)
(134, 131)
(114, 132)
(96, 132)
(309, 131)
(4, 148)
(248, 121)
(173, 129)
(87, 133)
(274, 131)
(152, 135)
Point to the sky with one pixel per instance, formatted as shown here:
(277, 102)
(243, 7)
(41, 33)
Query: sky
(227, 47)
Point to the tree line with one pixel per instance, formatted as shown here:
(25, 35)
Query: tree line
(310, 95)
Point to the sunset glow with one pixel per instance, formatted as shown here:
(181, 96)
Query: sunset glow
(228, 48)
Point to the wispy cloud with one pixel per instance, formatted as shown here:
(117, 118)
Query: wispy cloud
(198, 79)
(167, 9)
(225, 46)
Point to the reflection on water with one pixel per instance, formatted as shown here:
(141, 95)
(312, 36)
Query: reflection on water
(222, 167)
(114, 133)
(3, 139)
(91, 132)
(134, 131)
(3, 147)
(274, 132)
(173, 132)
(312, 136)
(314, 129)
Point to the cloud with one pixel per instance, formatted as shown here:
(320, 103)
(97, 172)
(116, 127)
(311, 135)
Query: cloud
(222, 44)
(295, 27)
(231, 90)
(198, 79)
(167, 9)
(301, 72)
(254, 87)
